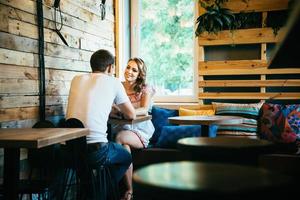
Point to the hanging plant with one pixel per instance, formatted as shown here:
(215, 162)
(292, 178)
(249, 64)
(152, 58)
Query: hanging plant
(248, 20)
(276, 20)
(215, 18)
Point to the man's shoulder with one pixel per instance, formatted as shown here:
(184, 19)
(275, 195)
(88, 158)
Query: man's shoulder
(79, 76)
(105, 78)
(113, 79)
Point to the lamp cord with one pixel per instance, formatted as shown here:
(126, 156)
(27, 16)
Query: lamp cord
(56, 29)
(102, 9)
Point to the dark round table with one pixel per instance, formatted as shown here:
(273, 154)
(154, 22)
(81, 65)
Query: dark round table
(226, 149)
(199, 180)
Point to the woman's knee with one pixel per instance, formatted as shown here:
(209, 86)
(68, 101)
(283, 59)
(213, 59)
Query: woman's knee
(119, 138)
(122, 137)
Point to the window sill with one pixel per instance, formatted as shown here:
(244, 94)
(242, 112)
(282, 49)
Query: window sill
(191, 105)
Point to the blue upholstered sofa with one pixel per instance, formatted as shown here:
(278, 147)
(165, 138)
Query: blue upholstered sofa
(162, 145)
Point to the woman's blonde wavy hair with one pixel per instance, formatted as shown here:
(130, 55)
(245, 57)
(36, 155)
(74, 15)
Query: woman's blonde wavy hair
(141, 79)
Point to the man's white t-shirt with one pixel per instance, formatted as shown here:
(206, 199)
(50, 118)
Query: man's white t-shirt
(90, 100)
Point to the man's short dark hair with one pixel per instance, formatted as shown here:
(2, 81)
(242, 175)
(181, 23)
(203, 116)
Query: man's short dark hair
(101, 59)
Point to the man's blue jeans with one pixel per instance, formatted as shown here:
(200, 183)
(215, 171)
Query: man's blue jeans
(114, 156)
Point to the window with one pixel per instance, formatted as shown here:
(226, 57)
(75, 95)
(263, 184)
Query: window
(162, 34)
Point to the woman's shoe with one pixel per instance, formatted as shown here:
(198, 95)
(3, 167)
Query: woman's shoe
(128, 196)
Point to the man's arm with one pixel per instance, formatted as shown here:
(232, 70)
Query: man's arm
(128, 110)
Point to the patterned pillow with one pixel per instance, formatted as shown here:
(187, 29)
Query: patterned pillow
(249, 112)
(160, 119)
(189, 112)
(171, 134)
(280, 123)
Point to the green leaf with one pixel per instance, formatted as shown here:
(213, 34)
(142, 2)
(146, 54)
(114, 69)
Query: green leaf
(227, 20)
(218, 20)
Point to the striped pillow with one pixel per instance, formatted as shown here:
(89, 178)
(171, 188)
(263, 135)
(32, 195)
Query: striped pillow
(249, 112)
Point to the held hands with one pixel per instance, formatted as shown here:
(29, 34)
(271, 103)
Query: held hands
(116, 112)
(141, 111)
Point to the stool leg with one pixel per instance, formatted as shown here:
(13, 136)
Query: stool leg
(67, 183)
(102, 183)
(113, 185)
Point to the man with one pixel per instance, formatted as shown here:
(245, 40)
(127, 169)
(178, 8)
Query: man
(90, 100)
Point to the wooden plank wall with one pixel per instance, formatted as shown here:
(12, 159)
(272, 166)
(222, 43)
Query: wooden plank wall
(259, 67)
(84, 31)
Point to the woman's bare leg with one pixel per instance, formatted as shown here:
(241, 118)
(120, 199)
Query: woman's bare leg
(128, 139)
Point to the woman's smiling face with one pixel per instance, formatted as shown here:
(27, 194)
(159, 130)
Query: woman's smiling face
(131, 72)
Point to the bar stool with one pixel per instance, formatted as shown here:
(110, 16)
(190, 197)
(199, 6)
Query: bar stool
(92, 181)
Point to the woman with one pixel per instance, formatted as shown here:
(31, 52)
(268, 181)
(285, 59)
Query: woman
(140, 95)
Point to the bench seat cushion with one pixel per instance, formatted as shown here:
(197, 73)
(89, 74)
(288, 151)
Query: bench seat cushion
(171, 134)
(160, 119)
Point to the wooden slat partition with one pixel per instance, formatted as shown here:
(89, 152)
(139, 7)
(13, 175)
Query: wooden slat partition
(240, 67)
(249, 95)
(255, 5)
(260, 83)
(242, 36)
(263, 50)
(248, 71)
(250, 83)
(230, 64)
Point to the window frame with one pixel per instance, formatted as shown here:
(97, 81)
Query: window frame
(135, 7)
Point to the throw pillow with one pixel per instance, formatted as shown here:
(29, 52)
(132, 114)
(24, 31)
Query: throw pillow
(160, 119)
(171, 134)
(237, 134)
(280, 123)
(249, 112)
(189, 112)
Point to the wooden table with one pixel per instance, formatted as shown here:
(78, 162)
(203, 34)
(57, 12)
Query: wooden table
(226, 149)
(205, 121)
(198, 180)
(14, 139)
(115, 121)
(138, 119)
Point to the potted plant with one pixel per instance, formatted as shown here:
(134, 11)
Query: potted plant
(215, 18)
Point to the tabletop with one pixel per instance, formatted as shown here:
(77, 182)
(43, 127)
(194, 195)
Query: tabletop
(206, 120)
(226, 149)
(38, 137)
(12, 139)
(224, 142)
(188, 179)
(139, 118)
